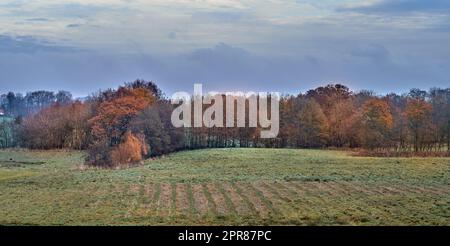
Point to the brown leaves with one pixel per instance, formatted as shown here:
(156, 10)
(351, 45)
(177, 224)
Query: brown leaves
(130, 151)
(58, 126)
(378, 114)
(116, 113)
(114, 144)
(418, 110)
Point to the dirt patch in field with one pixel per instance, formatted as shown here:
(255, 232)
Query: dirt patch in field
(134, 188)
(149, 193)
(200, 200)
(269, 192)
(383, 190)
(279, 201)
(165, 200)
(182, 200)
(150, 190)
(306, 201)
(238, 203)
(358, 188)
(444, 189)
(337, 189)
(424, 190)
(322, 187)
(316, 188)
(354, 189)
(253, 198)
(393, 190)
(283, 191)
(218, 199)
(117, 189)
(297, 188)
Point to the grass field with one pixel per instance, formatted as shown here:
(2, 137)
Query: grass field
(226, 187)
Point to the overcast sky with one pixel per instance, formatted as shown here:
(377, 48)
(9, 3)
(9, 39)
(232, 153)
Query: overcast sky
(259, 45)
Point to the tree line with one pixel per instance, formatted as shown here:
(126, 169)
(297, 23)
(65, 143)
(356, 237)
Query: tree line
(119, 127)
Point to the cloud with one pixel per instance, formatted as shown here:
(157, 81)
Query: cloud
(219, 16)
(226, 44)
(224, 52)
(364, 66)
(56, 9)
(81, 73)
(73, 25)
(376, 52)
(172, 35)
(29, 44)
(74, 10)
(37, 19)
(399, 6)
(222, 67)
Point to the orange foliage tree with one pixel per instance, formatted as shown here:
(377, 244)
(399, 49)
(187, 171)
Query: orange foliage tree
(418, 112)
(110, 127)
(377, 122)
(58, 126)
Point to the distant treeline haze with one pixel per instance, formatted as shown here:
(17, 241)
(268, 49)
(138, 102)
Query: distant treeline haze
(123, 126)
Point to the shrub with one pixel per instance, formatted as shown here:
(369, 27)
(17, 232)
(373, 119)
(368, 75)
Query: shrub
(98, 155)
(130, 151)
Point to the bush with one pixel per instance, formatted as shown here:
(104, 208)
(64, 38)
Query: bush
(130, 151)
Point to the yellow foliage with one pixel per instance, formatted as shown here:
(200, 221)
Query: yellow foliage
(130, 151)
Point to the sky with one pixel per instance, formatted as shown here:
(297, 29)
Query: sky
(286, 46)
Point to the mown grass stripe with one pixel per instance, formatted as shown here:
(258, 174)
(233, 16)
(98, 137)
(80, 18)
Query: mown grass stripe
(427, 190)
(309, 200)
(276, 193)
(263, 199)
(145, 199)
(337, 189)
(445, 189)
(359, 189)
(291, 191)
(173, 199)
(156, 198)
(190, 195)
(247, 201)
(132, 201)
(230, 206)
(211, 204)
(283, 203)
(157, 193)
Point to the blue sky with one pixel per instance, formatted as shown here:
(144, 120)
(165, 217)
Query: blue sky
(260, 45)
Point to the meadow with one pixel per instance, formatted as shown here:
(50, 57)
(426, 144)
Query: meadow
(225, 187)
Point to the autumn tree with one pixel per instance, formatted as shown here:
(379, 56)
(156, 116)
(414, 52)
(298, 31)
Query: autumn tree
(313, 125)
(289, 121)
(157, 135)
(63, 97)
(336, 103)
(112, 120)
(418, 112)
(440, 100)
(119, 127)
(58, 126)
(399, 135)
(377, 121)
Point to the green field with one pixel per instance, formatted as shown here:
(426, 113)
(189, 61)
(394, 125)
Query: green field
(225, 187)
